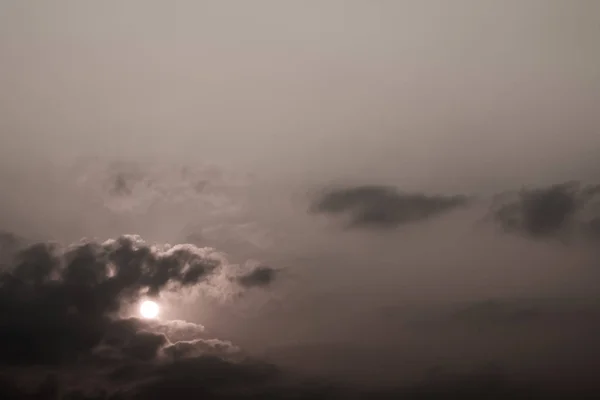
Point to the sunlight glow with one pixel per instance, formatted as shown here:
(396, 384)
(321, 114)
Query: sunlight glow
(149, 309)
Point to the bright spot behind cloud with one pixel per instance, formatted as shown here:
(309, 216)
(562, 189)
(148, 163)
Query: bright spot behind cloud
(149, 309)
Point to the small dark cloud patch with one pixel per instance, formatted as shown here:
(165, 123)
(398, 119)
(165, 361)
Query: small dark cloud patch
(123, 177)
(559, 210)
(260, 276)
(383, 206)
(121, 186)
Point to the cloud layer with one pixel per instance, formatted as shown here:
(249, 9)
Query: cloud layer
(68, 313)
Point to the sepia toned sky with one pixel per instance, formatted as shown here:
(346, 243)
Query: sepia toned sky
(371, 192)
(422, 93)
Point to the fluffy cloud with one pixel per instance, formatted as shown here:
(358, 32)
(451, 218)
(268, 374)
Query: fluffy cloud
(57, 303)
(63, 307)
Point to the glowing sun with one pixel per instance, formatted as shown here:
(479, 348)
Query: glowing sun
(149, 309)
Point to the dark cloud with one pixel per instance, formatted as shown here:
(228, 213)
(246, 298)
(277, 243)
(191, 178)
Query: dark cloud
(57, 303)
(61, 306)
(560, 210)
(260, 276)
(121, 186)
(383, 206)
(210, 377)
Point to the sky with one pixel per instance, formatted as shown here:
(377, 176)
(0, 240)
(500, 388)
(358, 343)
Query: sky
(319, 195)
(409, 92)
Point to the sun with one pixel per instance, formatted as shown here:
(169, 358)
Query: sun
(149, 309)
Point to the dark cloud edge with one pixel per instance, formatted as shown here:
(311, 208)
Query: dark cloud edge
(565, 210)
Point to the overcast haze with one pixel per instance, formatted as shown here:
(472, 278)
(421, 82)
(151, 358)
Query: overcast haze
(419, 92)
(359, 168)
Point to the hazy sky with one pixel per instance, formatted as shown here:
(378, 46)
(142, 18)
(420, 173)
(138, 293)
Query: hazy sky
(230, 120)
(421, 93)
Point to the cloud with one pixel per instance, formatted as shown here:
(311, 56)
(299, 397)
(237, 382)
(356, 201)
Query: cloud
(61, 311)
(58, 303)
(559, 211)
(9, 242)
(260, 276)
(61, 306)
(138, 187)
(199, 347)
(383, 206)
(177, 330)
(213, 377)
